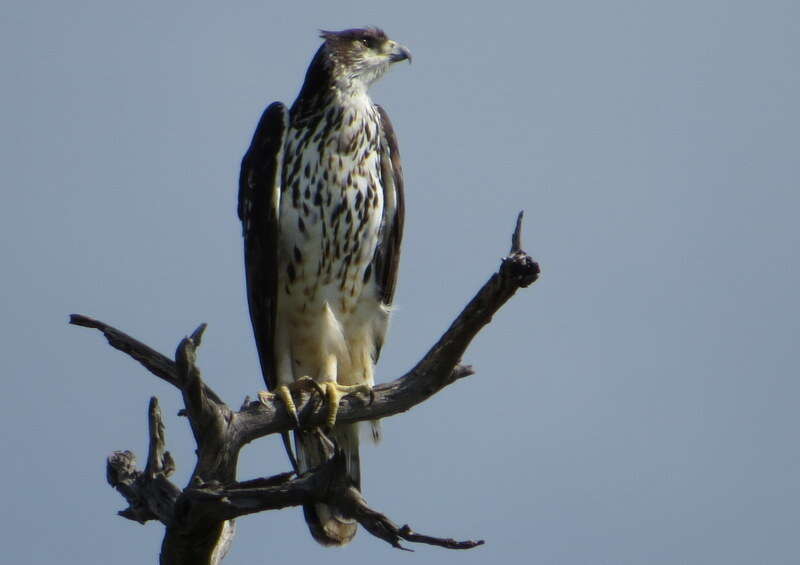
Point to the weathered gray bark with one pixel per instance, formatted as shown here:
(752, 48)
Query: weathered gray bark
(199, 518)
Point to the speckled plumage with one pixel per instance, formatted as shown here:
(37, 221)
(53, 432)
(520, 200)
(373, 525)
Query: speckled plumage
(322, 208)
(331, 213)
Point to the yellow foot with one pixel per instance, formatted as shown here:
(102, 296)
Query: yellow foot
(284, 394)
(334, 392)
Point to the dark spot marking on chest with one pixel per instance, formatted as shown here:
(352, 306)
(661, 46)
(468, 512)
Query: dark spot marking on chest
(342, 275)
(337, 211)
(363, 216)
(295, 169)
(351, 147)
(296, 194)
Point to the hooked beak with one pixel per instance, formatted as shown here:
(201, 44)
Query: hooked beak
(399, 53)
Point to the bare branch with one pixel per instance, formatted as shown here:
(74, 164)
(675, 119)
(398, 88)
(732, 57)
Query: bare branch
(158, 364)
(351, 503)
(200, 519)
(327, 483)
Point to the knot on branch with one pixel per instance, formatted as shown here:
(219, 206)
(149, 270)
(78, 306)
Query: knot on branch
(519, 266)
(149, 496)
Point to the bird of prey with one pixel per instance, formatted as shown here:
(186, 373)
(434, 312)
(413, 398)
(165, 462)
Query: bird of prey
(321, 203)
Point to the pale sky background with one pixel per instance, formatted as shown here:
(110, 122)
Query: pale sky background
(637, 405)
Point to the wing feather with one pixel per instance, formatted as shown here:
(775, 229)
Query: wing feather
(387, 253)
(259, 206)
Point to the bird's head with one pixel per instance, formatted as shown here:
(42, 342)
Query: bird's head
(361, 56)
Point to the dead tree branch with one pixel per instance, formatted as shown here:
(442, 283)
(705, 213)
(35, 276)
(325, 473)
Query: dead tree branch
(199, 518)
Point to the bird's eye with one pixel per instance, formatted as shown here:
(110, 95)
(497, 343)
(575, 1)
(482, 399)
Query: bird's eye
(366, 43)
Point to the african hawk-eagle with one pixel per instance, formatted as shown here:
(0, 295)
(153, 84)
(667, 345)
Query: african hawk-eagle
(321, 203)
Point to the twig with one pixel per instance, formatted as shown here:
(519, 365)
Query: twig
(159, 460)
(516, 237)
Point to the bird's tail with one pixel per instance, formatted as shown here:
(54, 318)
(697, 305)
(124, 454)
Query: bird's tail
(325, 522)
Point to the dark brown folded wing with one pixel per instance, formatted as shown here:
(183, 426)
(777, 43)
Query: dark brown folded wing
(387, 254)
(259, 206)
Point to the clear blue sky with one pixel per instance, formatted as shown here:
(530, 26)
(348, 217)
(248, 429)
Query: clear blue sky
(637, 405)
